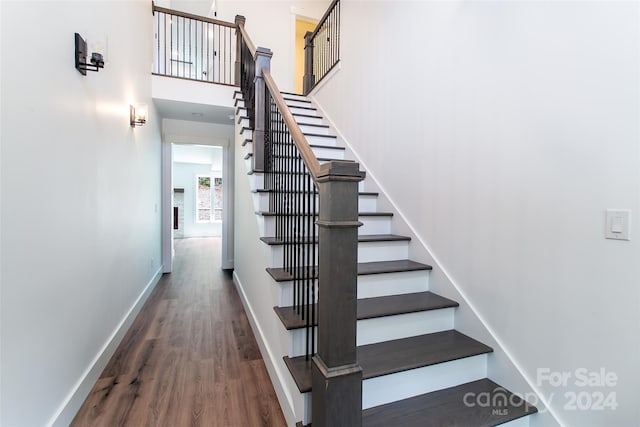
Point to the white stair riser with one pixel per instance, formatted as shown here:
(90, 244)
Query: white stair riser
(298, 342)
(295, 103)
(370, 225)
(295, 110)
(308, 120)
(520, 422)
(257, 181)
(246, 133)
(327, 153)
(286, 293)
(366, 203)
(402, 385)
(384, 328)
(387, 328)
(240, 103)
(305, 128)
(405, 282)
(367, 252)
(321, 130)
(383, 251)
(247, 147)
(295, 96)
(372, 285)
(325, 141)
(404, 325)
(375, 225)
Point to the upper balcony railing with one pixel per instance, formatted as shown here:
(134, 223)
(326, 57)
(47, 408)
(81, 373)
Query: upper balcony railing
(194, 47)
(322, 47)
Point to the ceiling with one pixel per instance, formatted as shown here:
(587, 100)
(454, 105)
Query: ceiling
(169, 109)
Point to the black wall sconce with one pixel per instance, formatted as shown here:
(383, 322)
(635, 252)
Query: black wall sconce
(137, 115)
(97, 61)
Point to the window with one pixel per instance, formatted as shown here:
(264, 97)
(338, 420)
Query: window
(208, 199)
(203, 199)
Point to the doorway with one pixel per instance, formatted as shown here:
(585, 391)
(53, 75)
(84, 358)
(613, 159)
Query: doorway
(302, 26)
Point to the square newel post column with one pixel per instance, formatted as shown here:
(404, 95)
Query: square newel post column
(240, 20)
(309, 79)
(336, 375)
(263, 62)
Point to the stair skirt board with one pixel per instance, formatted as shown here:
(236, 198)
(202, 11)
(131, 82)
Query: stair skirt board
(386, 328)
(373, 285)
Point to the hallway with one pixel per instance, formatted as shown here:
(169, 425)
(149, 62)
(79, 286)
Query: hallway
(190, 357)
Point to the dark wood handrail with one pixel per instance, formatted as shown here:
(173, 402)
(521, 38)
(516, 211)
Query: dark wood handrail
(247, 39)
(192, 16)
(324, 18)
(299, 139)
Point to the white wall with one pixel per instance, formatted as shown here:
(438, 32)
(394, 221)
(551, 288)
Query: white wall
(516, 124)
(271, 24)
(80, 200)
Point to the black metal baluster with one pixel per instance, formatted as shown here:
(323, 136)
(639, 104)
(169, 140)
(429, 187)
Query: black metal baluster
(314, 272)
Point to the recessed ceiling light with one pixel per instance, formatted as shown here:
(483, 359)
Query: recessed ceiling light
(230, 117)
(197, 114)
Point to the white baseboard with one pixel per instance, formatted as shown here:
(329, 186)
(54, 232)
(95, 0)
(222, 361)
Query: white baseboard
(269, 358)
(67, 411)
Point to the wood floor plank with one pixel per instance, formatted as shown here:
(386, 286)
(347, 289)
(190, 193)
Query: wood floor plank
(189, 358)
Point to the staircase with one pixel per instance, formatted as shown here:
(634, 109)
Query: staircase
(417, 370)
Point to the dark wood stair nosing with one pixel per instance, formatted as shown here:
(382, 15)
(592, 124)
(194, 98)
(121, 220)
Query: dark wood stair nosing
(361, 193)
(363, 238)
(367, 214)
(376, 307)
(364, 269)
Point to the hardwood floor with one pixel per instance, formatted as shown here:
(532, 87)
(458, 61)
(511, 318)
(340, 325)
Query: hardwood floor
(190, 357)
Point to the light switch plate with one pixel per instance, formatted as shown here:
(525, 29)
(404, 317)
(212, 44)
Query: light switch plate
(617, 224)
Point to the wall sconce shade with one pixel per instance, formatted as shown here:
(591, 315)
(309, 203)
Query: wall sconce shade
(82, 66)
(138, 114)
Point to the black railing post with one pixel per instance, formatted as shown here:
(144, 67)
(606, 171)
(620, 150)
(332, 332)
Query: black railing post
(336, 375)
(309, 79)
(240, 20)
(263, 61)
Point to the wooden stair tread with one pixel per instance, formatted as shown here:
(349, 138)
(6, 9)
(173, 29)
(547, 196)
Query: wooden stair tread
(306, 115)
(399, 355)
(369, 308)
(364, 268)
(447, 407)
(273, 241)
